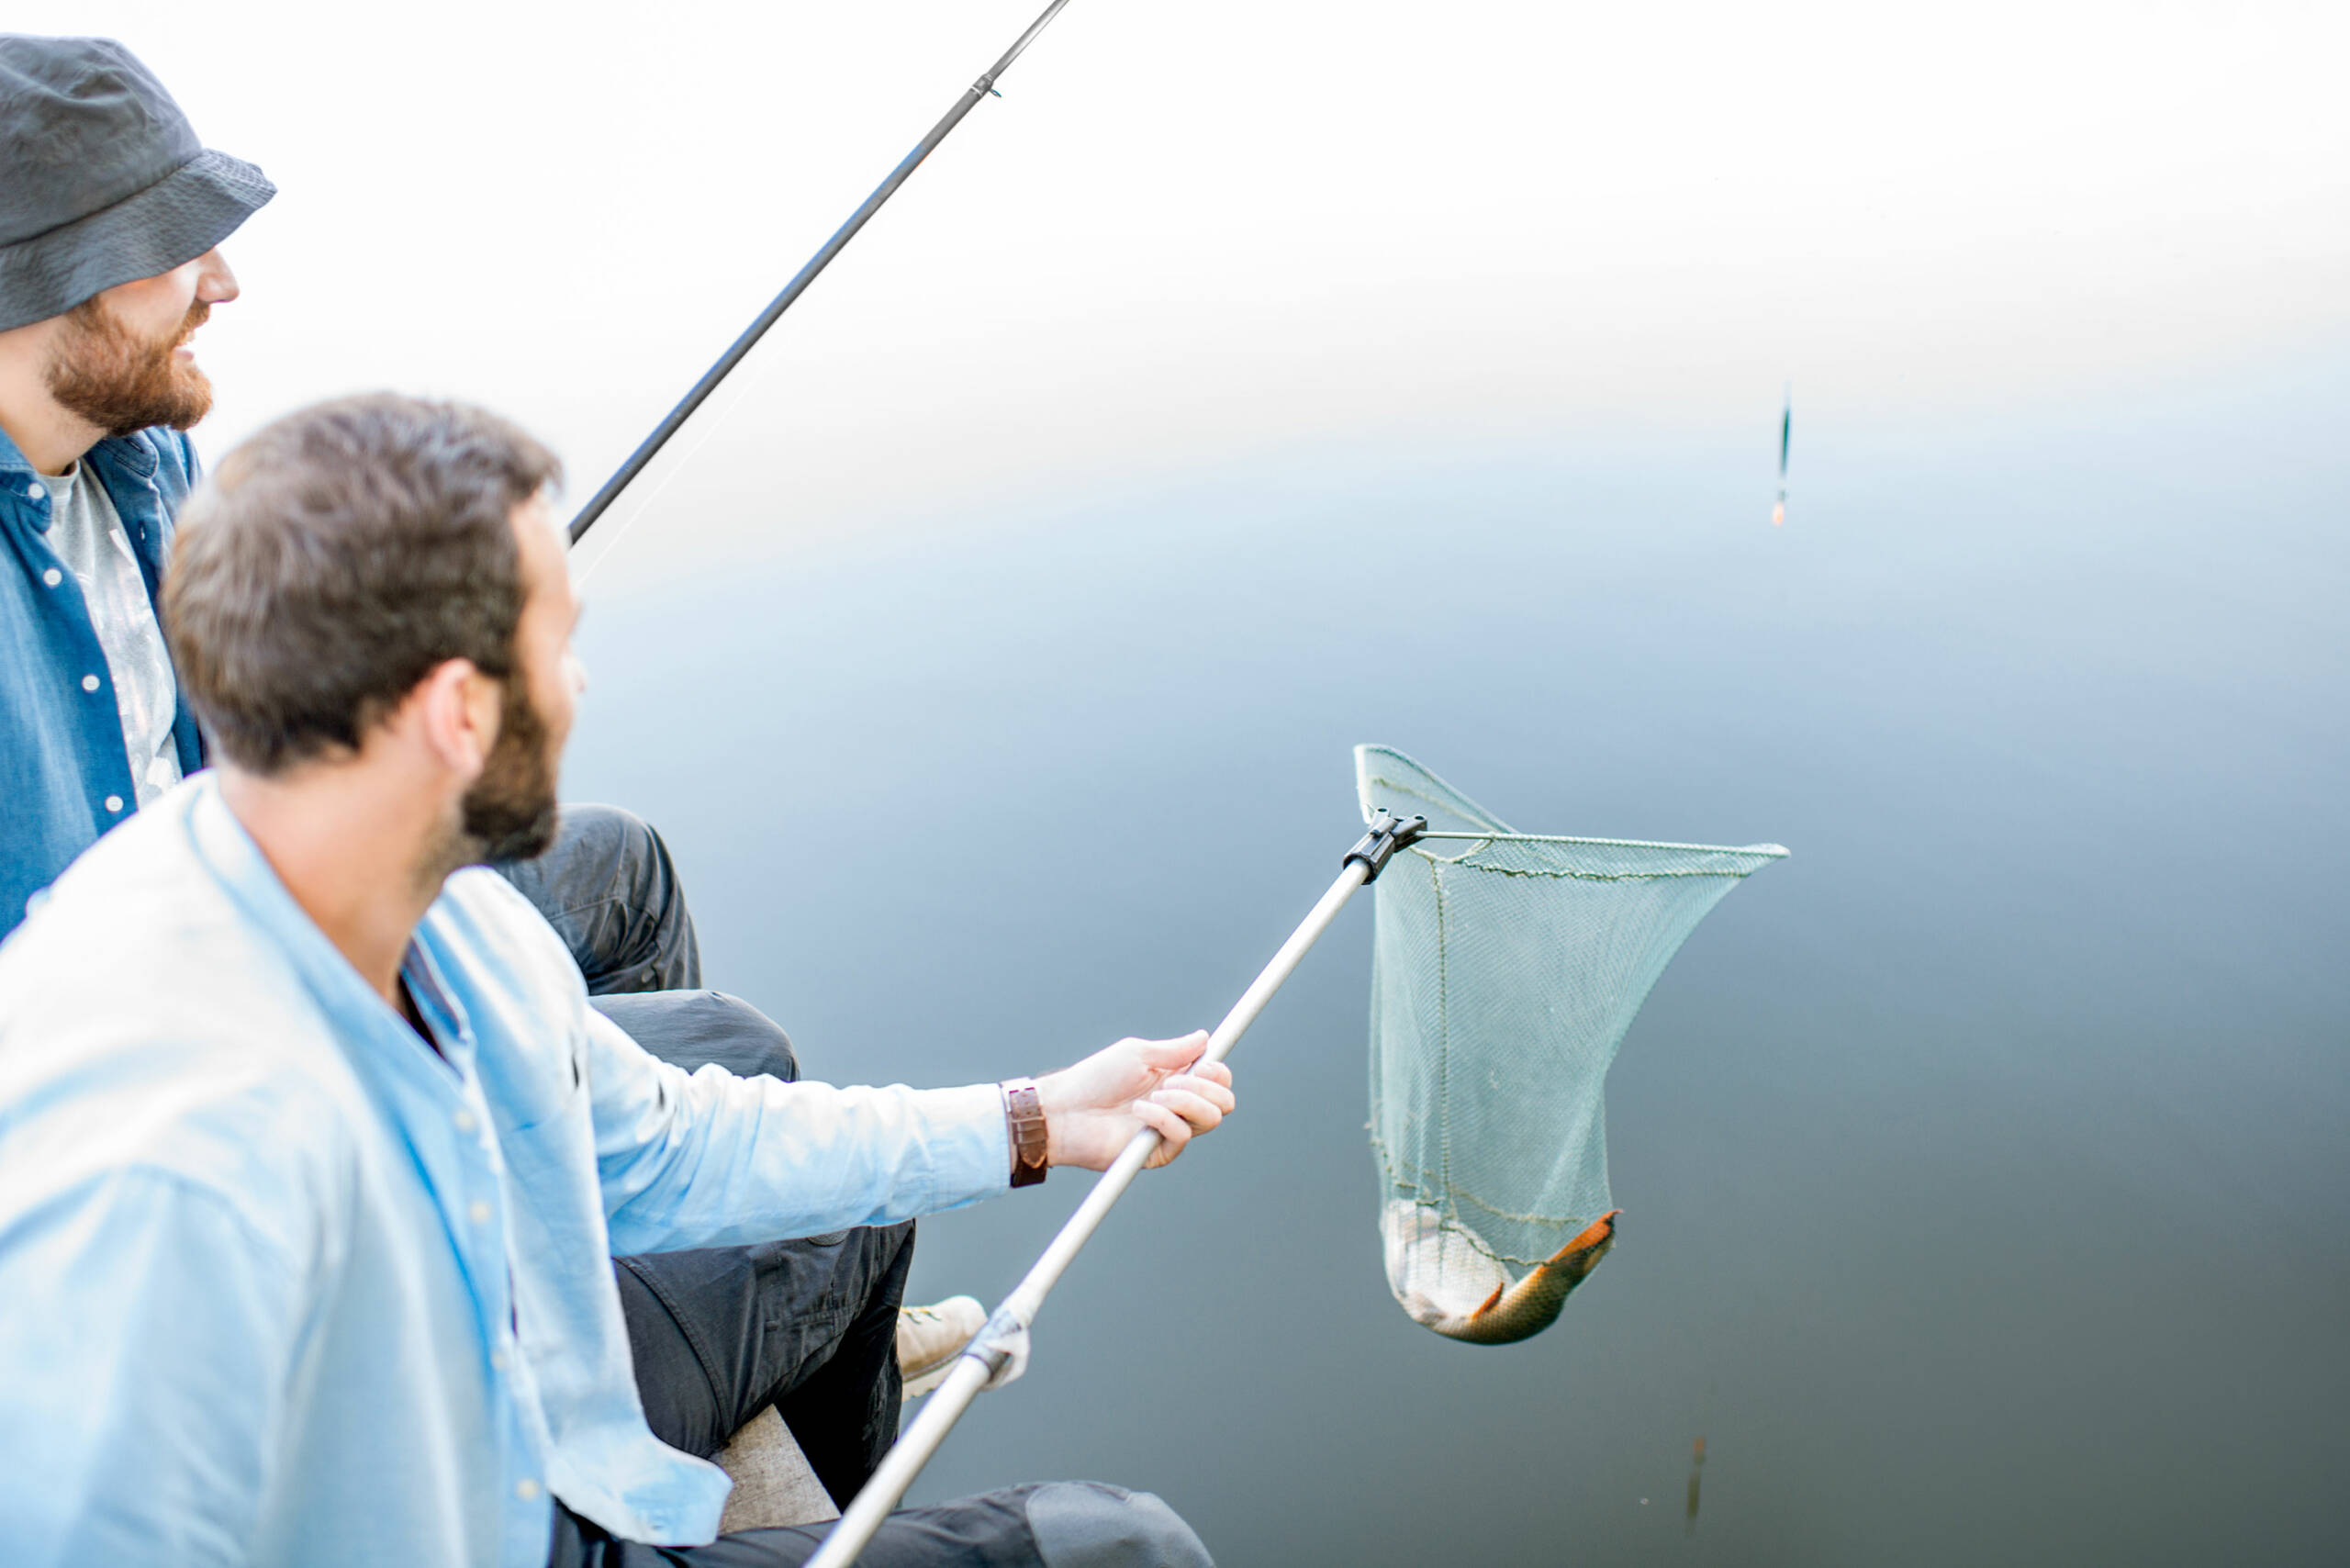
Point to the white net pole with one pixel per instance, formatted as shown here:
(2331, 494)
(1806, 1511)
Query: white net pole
(1010, 1320)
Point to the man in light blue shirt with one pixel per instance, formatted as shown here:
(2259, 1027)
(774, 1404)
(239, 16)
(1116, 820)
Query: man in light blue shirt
(311, 1153)
(111, 215)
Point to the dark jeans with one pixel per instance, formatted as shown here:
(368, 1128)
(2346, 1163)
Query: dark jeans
(1059, 1524)
(610, 892)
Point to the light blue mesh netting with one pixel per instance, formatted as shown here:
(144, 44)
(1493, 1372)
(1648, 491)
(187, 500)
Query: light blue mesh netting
(1506, 969)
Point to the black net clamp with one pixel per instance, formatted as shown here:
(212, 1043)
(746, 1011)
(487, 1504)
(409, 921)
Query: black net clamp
(1388, 833)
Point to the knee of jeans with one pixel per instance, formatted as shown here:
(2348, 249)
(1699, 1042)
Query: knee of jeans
(1086, 1524)
(754, 1043)
(612, 833)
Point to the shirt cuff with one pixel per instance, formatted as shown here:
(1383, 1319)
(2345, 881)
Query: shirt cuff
(975, 1143)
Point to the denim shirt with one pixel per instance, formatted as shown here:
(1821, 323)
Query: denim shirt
(285, 1285)
(64, 770)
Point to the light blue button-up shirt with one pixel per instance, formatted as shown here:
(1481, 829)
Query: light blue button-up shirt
(279, 1284)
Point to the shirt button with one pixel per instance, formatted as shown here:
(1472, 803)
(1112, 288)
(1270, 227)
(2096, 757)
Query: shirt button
(114, 803)
(35, 493)
(53, 576)
(480, 1212)
(526, 1489)
(89, 683)
(498, 1360)
(464, 1120)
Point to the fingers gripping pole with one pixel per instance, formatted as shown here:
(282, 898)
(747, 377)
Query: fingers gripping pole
(995, 1343)
(1006, 1337)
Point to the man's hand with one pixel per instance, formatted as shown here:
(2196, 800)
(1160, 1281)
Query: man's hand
(1092, 1109)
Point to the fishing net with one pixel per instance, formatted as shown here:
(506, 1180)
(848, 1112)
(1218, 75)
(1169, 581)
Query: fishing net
(1506, 969)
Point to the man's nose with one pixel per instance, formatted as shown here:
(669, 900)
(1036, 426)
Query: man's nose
(215, 284)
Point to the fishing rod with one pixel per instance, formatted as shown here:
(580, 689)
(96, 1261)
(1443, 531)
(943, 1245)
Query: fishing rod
(675, 419)
(1000, 1352)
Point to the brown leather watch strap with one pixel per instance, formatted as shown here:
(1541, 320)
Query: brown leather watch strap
(1025, 1113)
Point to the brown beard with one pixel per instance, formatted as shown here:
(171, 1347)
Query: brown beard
(509, 813)
(105, 375)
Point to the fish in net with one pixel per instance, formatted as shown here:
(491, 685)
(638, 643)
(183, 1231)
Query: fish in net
(1505, 969)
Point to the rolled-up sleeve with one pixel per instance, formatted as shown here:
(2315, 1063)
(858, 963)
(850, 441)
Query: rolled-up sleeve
(710, 1159)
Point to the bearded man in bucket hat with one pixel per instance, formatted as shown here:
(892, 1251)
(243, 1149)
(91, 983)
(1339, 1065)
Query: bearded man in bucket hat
(112, 213)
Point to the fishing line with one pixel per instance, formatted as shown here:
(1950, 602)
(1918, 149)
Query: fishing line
(611, 543)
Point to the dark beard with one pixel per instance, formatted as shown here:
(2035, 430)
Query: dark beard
(510, 813)
(120, 385)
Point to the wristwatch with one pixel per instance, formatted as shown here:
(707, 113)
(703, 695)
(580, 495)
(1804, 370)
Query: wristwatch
(1025, 1113)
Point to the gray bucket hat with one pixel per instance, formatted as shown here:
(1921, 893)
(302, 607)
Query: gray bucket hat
(102, 179)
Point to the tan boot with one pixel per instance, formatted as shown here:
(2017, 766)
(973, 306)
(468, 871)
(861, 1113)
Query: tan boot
(930, 1338)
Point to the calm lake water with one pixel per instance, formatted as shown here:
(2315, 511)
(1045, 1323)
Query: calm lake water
(1983, 1165)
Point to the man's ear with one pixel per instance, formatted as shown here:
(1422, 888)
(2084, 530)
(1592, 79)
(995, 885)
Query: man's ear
(454, 713)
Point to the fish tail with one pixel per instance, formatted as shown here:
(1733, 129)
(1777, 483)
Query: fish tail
(1596, 1233)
